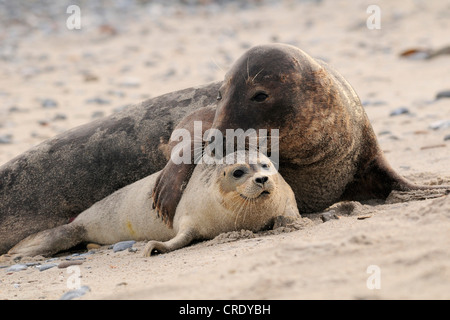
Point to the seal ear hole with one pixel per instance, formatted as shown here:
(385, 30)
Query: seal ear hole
(219, 96)
(260, 97)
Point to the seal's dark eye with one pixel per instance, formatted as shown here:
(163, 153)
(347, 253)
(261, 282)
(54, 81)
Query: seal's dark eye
(260, 97)
(265, 166)
(219, 96)
(238, 173)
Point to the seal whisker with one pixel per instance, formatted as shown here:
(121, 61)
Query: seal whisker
(248, 71)
(257, 75)
(217, 65)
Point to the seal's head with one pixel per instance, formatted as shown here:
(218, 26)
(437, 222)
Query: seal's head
(253, 179)
(250, 190)
(278, 86)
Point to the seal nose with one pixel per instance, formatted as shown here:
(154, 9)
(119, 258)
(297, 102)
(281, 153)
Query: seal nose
(261, 180)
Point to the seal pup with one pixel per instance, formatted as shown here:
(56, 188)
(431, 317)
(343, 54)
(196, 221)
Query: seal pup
(247, 194)
(328, 151)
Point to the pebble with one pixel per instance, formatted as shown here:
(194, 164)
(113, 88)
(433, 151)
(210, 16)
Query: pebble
(17, 267)
(120, 246)
(6, 138)
(15, 109)
(447, 137)
(442, 124)
(399, 111)
(116, 93)
(89, 77)
(327, 216)
(69, 263)
(130, 83)
(59, 117)
(443, 94)
(366, 103)
(97, 115)
(49, 104)
(69, 295)
(46, 266)
(98, 100)
(93, 246)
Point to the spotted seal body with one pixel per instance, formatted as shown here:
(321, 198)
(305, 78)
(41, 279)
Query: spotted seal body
(219, 198)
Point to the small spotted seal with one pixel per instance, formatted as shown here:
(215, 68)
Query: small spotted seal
(247, 194)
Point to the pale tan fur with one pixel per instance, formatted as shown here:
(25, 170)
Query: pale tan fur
(211, 204)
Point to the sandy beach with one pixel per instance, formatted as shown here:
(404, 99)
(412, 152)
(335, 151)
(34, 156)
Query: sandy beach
(53, 79)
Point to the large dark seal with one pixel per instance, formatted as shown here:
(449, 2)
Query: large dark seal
(328, 150)
(52, 183)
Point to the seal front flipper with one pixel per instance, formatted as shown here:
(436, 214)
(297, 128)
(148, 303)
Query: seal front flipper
(377, 180)
(169, 188)
(181, 240)
(173, 178)
(49, 241)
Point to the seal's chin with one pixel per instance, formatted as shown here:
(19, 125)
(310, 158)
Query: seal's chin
(263, 194)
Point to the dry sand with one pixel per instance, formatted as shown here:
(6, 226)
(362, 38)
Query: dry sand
(406, 243)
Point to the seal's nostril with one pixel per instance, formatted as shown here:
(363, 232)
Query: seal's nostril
(262, 179)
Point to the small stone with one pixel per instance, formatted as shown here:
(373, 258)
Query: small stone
(44, 123)
(443, 94)
(327, 216)
(49, 104)
(15, 109)
(69, 263)
(374, 103)
(97, 115)
(98, 100)
(17, 267)
(398, 111)
(116, 93)
(89, 77)
(6, 138)
(59, 117)
(442, 124)
(46, 266)
(92, 246)
(364, 217)
(123, 245)
(75, 293)
(447, 137)
(130, 83)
